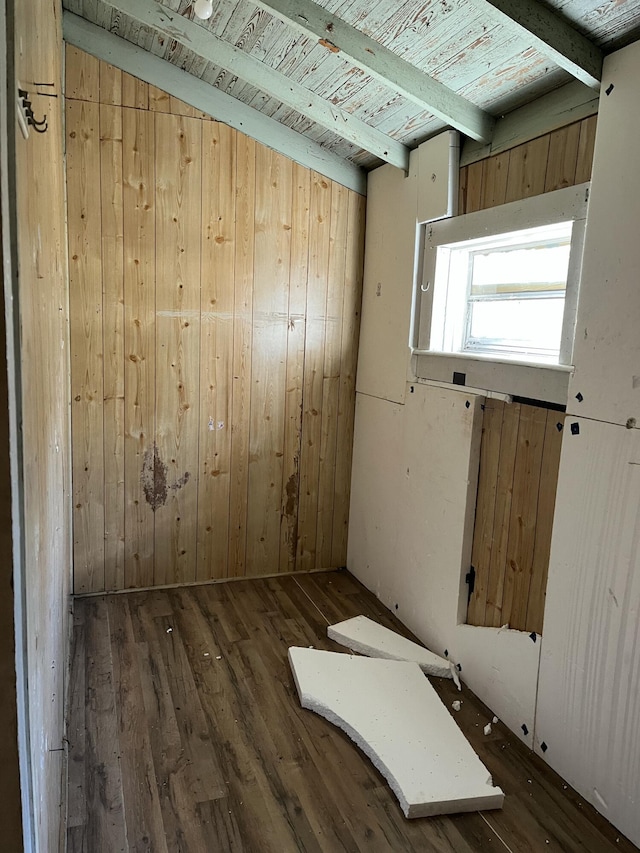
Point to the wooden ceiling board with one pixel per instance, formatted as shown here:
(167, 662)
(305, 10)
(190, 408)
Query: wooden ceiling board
(456, 42)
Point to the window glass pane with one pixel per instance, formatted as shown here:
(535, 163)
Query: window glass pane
(532, 326)
(530, 269)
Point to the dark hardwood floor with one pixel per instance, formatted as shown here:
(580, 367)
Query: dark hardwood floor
(186, 734)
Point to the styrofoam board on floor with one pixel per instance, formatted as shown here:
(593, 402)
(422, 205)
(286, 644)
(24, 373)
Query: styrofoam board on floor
(367, 637)
(389, 709)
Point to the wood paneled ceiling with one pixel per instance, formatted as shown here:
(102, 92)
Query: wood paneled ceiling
(367, 80)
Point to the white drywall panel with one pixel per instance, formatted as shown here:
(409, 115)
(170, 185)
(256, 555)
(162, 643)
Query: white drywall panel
(363, 635)
(412, 501)
(588, 712)
(438, 169)
(389, 254)
(397, 719)
(607, 343)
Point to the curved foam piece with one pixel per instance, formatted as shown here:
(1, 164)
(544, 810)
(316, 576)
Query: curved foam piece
(367, 637)
(389, 709)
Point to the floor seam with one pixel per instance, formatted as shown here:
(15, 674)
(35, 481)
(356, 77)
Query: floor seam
(496, 833)
(304, 592)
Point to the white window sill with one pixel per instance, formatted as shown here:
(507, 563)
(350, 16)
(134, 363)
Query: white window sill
(536, 381)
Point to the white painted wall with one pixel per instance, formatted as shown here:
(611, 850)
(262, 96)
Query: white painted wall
(395, 201)
(589, 690)
(414, 474)
(607, 345)
(413, 458)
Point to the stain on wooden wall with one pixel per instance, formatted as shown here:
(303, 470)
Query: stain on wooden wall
(215, 296)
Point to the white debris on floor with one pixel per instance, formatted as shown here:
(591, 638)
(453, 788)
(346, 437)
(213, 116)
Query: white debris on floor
(391, 711)
(367, 637)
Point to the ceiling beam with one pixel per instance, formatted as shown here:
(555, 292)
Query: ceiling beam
(211, 48)
(551, 35)
(152, 69)
(384, 65)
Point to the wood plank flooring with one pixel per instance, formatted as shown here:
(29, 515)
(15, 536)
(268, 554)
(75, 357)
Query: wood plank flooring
(186, 734)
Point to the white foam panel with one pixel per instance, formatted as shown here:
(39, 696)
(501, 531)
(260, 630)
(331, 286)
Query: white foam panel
(367, 637)
(389, 709)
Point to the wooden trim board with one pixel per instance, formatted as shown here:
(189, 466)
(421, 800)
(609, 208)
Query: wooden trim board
(389, 709)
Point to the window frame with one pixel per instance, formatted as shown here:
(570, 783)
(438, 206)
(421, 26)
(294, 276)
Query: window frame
(569, 204)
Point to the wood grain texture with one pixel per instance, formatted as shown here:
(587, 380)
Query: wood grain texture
(268, 360)
(177, 308)
(140, 358)
(215, 752)
(517, 482)
(43, 463)
(82, 75)
(113, 341)
(87, 379)
(558, 159)
(216, 348)
(229, 283)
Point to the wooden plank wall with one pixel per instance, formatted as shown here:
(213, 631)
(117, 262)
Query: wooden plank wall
(215, 297)
(45, 427)
(519, 459)
(559, 159)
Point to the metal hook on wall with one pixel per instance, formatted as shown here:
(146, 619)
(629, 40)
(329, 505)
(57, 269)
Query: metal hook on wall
(27, 108)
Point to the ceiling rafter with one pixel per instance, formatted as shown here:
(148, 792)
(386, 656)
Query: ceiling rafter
(552, 35)
(212, 48)
(152, 69)
(383, 65)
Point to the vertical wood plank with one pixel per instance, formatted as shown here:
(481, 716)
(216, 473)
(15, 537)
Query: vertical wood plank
(320, 221)
(180, 108)
(475, 182)
(527, 169)
(544, 522)
(462, 190)
(563, 155)
(85, 282)
(331, 373)
(113, 342)
(216, 348)
(178, 148)
(159, 101)
(504, 486)
(82, 75)
(242, 352)
(349, 357)
(524, 509)
(484, 532)
(138, 157)
(296, 331)
(110, 84)
(494, 181)
(135, 93)
(268, 363)
(585, 149)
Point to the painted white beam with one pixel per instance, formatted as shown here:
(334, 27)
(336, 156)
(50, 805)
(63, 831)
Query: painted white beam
(212, 48)
(552, 36)
(557, 109)
(384, 65)
(208, 99)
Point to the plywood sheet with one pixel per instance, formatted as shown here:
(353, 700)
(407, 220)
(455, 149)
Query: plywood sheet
(395, 716)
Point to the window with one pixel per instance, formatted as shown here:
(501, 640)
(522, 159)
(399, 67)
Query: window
(503, 296)
(501, 284)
